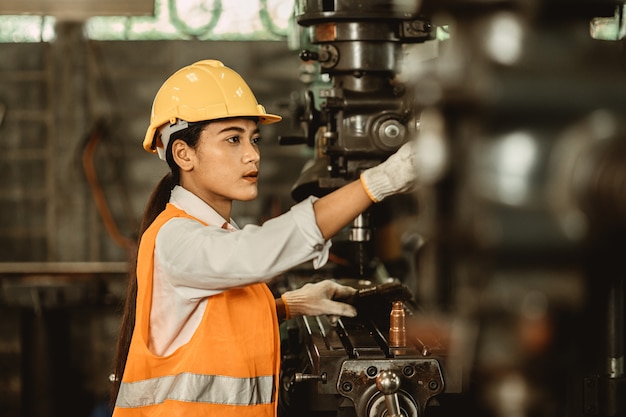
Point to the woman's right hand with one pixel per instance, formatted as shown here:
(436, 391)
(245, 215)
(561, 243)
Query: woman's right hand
(314, 299)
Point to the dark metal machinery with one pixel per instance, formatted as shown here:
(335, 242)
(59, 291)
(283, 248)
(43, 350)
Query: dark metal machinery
(341, 366)
(513, 254)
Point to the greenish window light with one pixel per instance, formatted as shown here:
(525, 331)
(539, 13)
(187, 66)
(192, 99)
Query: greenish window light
(173, 20)
(201, 20)
(215, 20)
(610, 28)
(26, 29)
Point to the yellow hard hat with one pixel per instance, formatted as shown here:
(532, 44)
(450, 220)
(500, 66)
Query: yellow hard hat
(205, 90)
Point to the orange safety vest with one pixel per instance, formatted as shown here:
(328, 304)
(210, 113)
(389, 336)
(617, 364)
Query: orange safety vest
(229, 367)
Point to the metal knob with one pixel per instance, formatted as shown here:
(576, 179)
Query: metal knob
(388, 383)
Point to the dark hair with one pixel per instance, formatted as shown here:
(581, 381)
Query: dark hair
(156, 204)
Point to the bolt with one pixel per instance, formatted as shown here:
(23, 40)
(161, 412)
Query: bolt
(346, 386)
(407, 370)
(391, 131)
(433, 385)
(371, 371)
(307, 55)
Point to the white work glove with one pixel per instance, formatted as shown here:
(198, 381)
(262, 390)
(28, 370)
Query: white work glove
(398, 174)
(315, 299)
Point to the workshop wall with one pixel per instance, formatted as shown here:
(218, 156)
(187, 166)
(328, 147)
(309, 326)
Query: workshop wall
(73, 114)
(59, 96)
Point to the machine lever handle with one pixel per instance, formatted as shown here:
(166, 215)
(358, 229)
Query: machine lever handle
(300, 377)
(388, 383)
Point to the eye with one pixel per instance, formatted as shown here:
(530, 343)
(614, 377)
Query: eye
(256, 140)
(233, 139)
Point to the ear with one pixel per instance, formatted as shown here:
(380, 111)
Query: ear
(183, 155)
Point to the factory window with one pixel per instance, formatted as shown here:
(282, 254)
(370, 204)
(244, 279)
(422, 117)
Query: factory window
(26, 28)
(610, 28)
(172, 20)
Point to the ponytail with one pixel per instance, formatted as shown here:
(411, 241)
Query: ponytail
(156, 204)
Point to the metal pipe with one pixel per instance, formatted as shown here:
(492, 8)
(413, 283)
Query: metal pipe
(397, 326)
(615, 331)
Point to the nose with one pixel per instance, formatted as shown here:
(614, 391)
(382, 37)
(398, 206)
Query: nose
(251, 153)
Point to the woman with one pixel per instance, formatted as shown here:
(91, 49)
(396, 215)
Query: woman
(200, 330)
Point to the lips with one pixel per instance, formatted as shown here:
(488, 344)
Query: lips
(251, 176)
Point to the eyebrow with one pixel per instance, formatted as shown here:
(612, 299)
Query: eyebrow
(237, 129)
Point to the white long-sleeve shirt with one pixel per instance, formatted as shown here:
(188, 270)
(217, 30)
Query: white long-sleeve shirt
(193, 262)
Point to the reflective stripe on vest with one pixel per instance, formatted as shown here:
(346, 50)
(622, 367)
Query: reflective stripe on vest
(188, 387)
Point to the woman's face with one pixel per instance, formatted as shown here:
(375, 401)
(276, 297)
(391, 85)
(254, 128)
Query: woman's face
(225, 164)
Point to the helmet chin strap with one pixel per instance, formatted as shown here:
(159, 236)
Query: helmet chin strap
(165, 132)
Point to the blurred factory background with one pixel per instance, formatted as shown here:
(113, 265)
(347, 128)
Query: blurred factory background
(512, 249)
(74, 110)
